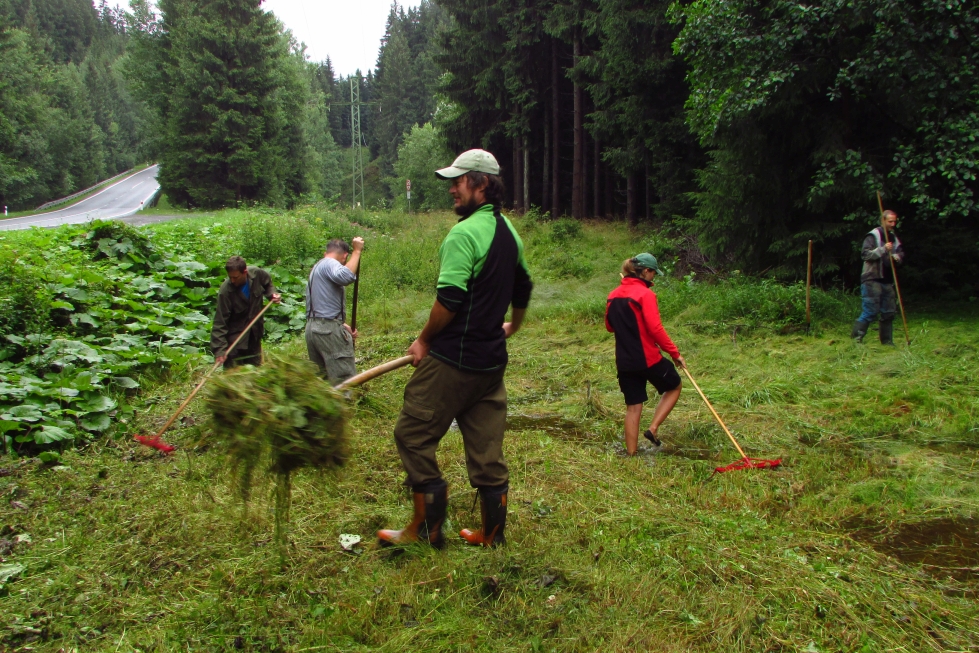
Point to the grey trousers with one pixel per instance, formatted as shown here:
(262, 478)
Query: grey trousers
(331, 347)
(438, 393)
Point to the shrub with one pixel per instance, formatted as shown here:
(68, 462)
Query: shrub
(566, 229)
(287, 239)
(25, 305)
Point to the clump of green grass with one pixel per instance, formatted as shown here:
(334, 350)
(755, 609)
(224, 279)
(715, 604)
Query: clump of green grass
(277, 418)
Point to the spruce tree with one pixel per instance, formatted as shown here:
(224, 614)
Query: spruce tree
(225, 132)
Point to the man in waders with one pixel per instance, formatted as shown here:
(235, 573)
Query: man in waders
(461, 358)
(877, 280)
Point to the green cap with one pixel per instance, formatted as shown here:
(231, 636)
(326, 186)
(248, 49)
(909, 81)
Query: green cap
(646, 260)
(470, 161)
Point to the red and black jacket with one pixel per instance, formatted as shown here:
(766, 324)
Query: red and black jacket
(632, 314)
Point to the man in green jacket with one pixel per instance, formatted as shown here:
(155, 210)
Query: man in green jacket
(239, 301)
(461, 358)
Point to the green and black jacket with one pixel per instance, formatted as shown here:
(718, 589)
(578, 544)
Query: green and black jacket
(234, 312)
(482, 272)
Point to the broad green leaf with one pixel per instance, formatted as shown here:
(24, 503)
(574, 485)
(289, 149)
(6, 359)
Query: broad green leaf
(96, 404)
(96, 422)
(49, 456)
(10, 571)
(49, 434)
(23, 413)
(62, 304)
(125, 382)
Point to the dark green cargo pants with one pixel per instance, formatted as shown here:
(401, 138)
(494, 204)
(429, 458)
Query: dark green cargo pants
(438, 393)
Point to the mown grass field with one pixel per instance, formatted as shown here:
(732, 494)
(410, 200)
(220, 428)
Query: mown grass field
(865, 539)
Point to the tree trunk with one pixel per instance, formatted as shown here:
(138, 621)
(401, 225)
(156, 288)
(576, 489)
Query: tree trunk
(584, 174)
(517, 175)
(630, 199)
(646, 192)
(555, 135)
(578, 166)
(609, 212)
(546, 190)
(596, 152)
(524, 165)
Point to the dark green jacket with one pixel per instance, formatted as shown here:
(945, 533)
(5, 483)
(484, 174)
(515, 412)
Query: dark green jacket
(234, 312)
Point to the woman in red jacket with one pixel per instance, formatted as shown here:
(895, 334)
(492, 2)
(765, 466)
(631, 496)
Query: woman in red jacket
(633, 316)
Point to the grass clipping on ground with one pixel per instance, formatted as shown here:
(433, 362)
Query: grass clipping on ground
(273, 420)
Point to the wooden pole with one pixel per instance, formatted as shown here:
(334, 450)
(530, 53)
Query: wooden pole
(375, 372)
(353, 310)
(716, 416)
(200, 385)
(897, 286)
(808, 285)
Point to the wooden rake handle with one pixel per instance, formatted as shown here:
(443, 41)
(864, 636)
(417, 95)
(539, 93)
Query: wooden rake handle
(200, 385)
(897, 286)
(375, 372)
(716, 416)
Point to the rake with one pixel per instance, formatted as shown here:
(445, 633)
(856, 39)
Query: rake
(745, 462)
(156, 441)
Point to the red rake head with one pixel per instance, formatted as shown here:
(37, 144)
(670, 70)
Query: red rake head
(748, 463)
(155, 442)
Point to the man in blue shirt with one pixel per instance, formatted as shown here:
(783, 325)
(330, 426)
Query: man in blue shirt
(329, 340)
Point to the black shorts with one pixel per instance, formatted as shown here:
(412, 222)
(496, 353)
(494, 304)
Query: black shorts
(662, 375)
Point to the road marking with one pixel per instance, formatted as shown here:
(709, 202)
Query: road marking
(61, 217)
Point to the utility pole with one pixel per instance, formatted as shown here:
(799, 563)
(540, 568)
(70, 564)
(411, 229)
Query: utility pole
(356, 142)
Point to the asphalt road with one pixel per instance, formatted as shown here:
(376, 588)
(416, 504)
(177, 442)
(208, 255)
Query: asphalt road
(121, 199)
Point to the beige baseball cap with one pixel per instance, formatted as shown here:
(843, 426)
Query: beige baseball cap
(470, 161)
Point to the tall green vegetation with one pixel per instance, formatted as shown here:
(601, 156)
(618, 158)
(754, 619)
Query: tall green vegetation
(241, 115)
(750, 126)
(67, 118)
(808, 110)
(422, 152)
(581, 101)
(406, 78)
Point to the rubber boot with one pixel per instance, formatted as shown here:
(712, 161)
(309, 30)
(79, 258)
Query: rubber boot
(859, 330)
(492, 503)
(430, 504)
(887, 331)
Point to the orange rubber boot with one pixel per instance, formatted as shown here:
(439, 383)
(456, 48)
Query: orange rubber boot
(492, 506)
(426, 522)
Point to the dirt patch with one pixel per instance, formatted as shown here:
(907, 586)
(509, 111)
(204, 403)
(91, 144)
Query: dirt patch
(943, 547)
(953, 446)
(689, 450)
(553, 425)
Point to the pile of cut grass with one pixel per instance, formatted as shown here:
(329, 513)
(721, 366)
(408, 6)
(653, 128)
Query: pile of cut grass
(277, 418)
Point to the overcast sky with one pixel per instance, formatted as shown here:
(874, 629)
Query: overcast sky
(347, 31)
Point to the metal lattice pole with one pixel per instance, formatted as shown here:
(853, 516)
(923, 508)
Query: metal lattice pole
(356, 142)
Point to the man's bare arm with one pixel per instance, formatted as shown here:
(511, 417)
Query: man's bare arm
(516, 319)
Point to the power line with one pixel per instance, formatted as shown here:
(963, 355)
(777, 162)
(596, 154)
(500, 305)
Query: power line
(356, 143)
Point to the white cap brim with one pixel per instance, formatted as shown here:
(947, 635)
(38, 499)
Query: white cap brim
(450, 173)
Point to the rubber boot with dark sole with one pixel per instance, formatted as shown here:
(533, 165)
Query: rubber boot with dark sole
(426, 523)
(887, 332)
(859, 330)
(492, 503)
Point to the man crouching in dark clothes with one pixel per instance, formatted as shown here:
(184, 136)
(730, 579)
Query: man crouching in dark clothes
(461, 358)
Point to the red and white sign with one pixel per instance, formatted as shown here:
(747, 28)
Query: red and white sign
(408, 185)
